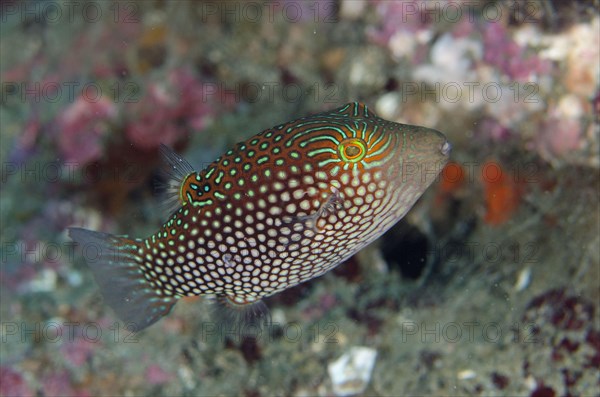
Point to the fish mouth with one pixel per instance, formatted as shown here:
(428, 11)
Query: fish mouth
(446, 148)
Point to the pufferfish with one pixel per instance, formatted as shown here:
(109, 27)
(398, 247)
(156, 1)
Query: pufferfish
(285, 206)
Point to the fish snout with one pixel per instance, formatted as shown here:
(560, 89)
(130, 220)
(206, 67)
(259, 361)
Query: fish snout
(446, 149)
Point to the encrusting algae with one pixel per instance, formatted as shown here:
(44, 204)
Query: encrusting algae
(280, 208)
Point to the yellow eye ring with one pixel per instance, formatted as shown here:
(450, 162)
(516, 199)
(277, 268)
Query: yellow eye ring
(352, 150)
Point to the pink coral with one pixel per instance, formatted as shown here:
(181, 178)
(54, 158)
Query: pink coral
(193, 104)
(12, 383)
(78, 351)
(404, 28)
(168, 111)
(155, 375)
(81, 128)
(30, 133)
(561, 135)
(58, 384)
(558, 137)
(502, 52)
(495, 130)
(400, 16)
(155, 122)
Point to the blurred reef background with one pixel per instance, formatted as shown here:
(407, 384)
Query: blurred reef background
(490, 286)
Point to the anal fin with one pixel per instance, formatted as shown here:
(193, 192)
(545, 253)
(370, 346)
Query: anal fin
(240, 319)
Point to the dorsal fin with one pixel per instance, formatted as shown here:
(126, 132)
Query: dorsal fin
(176, 169)
(355, 109)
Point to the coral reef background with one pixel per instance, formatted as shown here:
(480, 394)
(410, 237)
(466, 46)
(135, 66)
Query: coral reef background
(488, 287)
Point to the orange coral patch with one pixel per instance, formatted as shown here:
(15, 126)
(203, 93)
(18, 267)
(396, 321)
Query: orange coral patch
(502, 194)
(453, 177)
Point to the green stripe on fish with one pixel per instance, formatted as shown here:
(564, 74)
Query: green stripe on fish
(280, 208)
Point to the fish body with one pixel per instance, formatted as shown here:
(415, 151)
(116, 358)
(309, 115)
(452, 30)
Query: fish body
(278, 209)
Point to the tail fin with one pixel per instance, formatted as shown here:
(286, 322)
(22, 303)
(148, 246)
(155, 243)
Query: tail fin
(115, 263)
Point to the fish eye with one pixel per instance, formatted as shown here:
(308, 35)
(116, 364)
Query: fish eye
(352, 150)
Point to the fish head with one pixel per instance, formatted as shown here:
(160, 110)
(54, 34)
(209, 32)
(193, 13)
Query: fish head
(414, 158)
(380, 167)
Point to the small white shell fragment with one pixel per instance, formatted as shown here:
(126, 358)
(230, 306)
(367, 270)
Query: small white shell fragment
(523, 279)
(466, 374)
(44, 281)
(352, 9)
(351, 373)
(387, 105)
(570, 106)
(278, 316)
